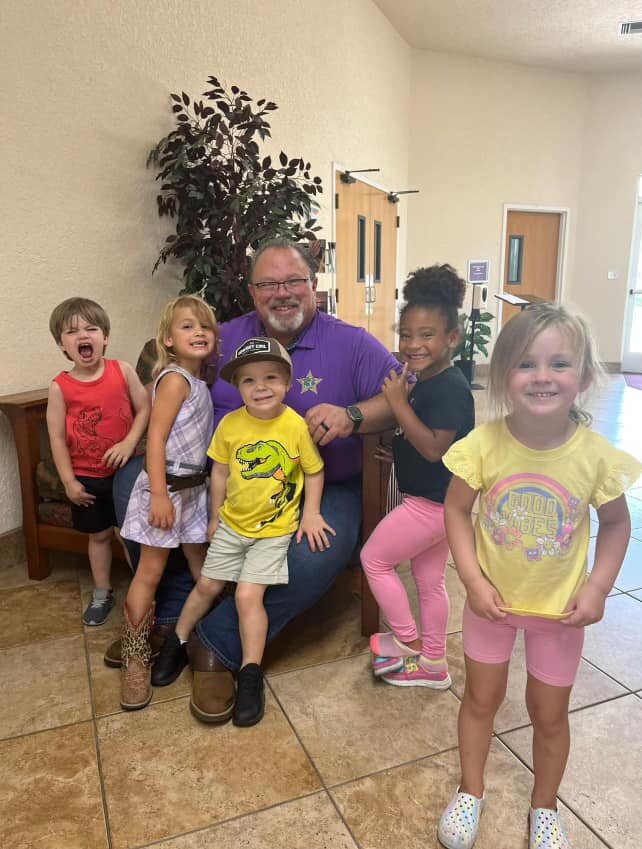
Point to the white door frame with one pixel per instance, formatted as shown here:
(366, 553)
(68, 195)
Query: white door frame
(560, 281)
(630, 361)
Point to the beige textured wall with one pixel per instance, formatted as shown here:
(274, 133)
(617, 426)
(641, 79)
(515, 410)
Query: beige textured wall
(611, 167)
(85, 95)
(483, 134)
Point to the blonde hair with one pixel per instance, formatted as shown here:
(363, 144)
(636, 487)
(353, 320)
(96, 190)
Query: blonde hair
(202, 310)
(515, 339)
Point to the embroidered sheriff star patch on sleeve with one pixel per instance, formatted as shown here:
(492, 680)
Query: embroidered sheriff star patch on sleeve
(309, 383)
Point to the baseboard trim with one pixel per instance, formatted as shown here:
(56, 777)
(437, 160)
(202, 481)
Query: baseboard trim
(12, 548)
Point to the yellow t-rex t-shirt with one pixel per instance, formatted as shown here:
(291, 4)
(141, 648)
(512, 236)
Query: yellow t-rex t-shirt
(267, 459)
(532, 530)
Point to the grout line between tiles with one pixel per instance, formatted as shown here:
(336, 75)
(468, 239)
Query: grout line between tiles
(216, 825)
(572, 710)
(33, 583)
(561, 798)
(64, 725)
(270, 675)
(153, 704)
(336, 807)
(44, 586)
(600, 702)
(392, 768)
(608, 675)
(40, 642)
(99, 764)
(339, 813)
(314, 767)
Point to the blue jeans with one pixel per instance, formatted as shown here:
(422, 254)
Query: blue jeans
(176, 583)
(311, 574)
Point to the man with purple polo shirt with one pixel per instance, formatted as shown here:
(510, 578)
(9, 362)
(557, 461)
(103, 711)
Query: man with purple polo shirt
(336, 364)
(338, 371)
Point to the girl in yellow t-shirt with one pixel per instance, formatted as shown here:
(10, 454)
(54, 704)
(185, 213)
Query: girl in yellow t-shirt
(537, 467)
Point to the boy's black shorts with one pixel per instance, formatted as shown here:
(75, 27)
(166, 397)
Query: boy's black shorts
(101, 514)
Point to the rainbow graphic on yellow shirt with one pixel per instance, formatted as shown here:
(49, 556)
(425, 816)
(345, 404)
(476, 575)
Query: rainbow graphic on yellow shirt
(531, 513)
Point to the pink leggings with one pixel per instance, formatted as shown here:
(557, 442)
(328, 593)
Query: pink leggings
(413, 531)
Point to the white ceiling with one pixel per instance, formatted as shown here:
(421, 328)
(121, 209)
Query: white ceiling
(571, 35)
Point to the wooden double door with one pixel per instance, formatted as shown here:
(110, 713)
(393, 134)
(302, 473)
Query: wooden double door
(366, 258)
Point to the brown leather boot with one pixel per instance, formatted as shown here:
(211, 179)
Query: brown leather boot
(136, 670)
(157, 636)
(213, 691)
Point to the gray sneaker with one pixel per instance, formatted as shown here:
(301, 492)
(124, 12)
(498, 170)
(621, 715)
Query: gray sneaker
(98, 608)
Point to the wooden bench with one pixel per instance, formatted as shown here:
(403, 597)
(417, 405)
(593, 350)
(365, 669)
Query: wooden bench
(26, 413)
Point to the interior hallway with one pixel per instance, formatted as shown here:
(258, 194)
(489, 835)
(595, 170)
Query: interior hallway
(340, 761)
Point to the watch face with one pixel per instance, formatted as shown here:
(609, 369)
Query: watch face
(356, 417)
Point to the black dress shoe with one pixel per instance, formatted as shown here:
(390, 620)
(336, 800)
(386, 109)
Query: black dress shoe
(250, 696)
(170, 662)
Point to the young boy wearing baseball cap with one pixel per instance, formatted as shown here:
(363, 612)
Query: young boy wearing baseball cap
(264, 460)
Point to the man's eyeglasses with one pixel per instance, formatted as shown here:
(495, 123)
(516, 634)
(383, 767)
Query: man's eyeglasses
(270, 287)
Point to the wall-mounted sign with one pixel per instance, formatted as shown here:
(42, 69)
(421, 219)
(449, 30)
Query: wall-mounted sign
(478, 270)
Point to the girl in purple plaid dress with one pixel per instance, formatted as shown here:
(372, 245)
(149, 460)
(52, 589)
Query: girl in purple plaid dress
(168, 504)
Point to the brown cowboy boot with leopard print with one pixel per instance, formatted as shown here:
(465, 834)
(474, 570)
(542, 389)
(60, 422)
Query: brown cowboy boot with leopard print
(136, 671)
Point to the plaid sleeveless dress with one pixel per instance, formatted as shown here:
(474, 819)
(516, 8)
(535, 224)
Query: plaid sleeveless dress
(185, 453)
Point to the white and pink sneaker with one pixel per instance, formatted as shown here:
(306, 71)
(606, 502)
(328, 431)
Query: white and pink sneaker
(419, 671)
(387, 653)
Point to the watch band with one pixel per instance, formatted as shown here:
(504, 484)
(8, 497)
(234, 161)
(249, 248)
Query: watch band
(356, 417)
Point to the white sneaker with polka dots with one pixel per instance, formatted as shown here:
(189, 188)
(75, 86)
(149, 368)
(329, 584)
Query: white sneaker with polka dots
(546, 830)
(459, 823)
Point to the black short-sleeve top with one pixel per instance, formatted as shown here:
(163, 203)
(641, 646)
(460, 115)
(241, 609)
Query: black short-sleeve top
(443, 402)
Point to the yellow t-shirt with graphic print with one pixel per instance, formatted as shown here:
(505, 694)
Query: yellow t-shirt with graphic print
(532, 530)
(267, 459)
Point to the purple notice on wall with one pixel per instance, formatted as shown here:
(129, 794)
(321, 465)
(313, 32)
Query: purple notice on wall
(478, 270)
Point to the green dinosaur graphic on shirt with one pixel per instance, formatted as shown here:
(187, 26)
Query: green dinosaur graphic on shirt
(269, 459)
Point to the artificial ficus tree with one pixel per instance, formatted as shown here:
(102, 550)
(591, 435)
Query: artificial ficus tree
(224, 195)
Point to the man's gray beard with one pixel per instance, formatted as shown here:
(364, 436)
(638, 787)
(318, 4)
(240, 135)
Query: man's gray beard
(290, 326)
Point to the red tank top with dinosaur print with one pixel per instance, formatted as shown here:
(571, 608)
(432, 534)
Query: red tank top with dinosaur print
(99, 414)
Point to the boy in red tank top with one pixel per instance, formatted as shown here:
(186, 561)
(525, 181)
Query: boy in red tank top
(96, 414)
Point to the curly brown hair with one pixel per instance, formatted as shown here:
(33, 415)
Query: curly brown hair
(436, 287)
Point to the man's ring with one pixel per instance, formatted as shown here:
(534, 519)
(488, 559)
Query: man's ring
(325, 427)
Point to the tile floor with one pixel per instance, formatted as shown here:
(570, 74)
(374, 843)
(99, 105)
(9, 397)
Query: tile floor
(339, 761)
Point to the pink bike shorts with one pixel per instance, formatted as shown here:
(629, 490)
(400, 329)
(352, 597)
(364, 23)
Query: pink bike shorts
(553, 650)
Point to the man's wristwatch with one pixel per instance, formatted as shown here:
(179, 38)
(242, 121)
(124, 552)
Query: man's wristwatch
(356, 417)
